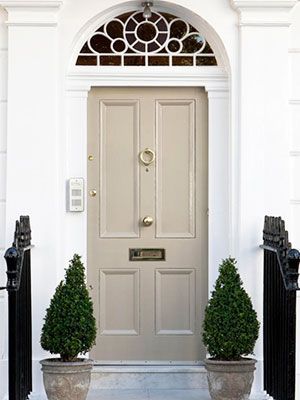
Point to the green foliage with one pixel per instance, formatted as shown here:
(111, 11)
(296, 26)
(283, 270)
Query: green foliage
(70, 327)
(230, 327)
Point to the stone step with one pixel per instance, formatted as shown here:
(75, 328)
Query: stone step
(149, 394)
(148, 377)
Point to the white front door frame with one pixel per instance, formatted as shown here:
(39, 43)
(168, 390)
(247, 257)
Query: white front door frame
(216, 83)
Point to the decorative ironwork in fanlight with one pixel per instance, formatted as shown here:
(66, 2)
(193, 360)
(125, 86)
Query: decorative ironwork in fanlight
(132, 39)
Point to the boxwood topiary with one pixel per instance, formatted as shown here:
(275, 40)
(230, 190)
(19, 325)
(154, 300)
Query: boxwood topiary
(70, 327)
(230, 327)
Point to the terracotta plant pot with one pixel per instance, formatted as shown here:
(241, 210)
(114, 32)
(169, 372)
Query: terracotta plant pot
(230, 380)
(66, 380)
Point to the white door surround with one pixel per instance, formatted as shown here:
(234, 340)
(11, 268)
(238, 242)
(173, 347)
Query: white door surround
(215, 80)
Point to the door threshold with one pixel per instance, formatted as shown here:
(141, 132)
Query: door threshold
(139, 363)
(148, 377)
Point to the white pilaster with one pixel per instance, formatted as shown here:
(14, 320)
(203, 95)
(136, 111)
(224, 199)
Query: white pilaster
(264, 144)
(76, 155)
(32, 142)
(219, 177)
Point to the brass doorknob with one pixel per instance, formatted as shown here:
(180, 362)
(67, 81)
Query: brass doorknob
(93, 193)
(147, 156)
(148, 220)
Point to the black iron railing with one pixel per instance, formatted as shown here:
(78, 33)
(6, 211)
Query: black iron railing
(279, 322)
(19, 312)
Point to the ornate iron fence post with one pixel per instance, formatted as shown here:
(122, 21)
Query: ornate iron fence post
(11, 257)
(19, 312)
(281, 264)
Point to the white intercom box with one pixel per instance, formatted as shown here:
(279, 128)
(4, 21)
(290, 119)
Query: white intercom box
(75, 195)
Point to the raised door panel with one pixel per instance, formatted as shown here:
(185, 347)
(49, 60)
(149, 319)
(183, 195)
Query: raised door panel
(175, 315)
(119, 179)
(175, 188)
(119, 302)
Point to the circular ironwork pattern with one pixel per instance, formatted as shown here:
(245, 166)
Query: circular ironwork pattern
(146, 35)
(161, 39)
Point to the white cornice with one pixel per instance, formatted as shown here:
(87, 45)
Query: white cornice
(214, 79)
(263, 4)
(31, 4)
(264, 13)
(264, 23)
(294, 102)
(33, 13)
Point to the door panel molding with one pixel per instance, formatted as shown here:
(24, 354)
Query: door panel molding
(175, 211)
(119, 189)
(119, 302)
(170, 309)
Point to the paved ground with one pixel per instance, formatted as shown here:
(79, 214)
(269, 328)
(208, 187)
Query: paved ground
(148, 394)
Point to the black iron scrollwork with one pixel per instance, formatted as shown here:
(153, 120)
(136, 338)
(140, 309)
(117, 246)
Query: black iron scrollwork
(276, 239)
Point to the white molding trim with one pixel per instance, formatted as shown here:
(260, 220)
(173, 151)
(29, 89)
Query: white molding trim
(32, 13)
(266, 24)
(32, 4)
(32, 24)
(294, 153)
(294, 102)
(258, 4)
(294, 50)
(83, 78)
(266, 13)
(295, 202)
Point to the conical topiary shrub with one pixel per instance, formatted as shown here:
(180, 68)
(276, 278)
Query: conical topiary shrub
(70, 327)
(230, 327)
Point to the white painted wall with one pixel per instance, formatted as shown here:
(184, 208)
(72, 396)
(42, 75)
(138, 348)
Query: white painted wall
(32, 147)
(263, 147)
(294, 147)
(3, 123)
(40, 140)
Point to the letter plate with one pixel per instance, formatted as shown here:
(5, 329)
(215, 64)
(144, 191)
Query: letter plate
(147, 255)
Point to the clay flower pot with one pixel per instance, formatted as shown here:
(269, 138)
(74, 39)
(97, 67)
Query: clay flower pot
(66, 380)
(230, 380)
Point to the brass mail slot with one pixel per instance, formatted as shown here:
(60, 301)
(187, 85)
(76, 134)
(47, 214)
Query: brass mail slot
(147, 255)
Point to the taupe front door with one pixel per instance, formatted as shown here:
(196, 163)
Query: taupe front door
(147, 189)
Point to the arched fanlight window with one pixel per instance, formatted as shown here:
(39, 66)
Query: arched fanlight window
(135, 39)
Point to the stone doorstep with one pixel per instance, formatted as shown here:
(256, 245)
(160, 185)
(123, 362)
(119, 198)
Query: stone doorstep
(148, 377)
(158, 394)
(149, 394)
